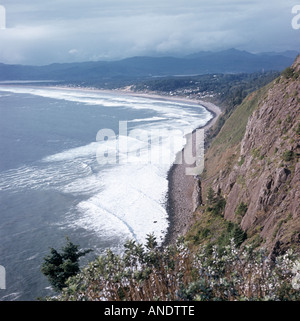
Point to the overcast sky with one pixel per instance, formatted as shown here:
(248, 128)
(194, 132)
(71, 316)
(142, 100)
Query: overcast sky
(41, 32)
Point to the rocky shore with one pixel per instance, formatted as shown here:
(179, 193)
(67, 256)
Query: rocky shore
(184, 190)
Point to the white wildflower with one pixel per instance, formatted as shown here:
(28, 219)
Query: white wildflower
(296, 278)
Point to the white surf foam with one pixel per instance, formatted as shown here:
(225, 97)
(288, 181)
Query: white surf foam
(170, 109)
(125, 199)
(85, 151)
(151, 119)
(130, 204)
(43, 177)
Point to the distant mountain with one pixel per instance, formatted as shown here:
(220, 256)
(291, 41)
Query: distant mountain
(228, 61)
(288, 53)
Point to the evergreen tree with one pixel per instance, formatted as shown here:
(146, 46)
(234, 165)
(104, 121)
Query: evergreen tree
(210, 196)
(215, 201)
(151, 241)
(58, 267)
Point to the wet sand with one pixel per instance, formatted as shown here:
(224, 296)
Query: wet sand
(184, 190)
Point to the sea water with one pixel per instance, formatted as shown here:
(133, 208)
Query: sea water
(56, 178)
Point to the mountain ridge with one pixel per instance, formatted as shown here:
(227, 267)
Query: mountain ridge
(227, 61)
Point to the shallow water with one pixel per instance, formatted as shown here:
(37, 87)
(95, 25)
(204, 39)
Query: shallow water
(58, 177)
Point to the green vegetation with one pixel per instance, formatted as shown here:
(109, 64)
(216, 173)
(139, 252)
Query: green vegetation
(288, 155)
(241, 161)
(233, 232)
(235, 93)
(241, 210)
(216, 203)
(234, 128)
(298, 129)
(177, 273)
(255, 152)
(216, 260)
(207, 230)
(212, 229)
(289, 73)
(58, 267)
(231, 133)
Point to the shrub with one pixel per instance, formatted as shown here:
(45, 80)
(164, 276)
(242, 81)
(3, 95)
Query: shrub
(234, 233)
(241, 161)
(176, 273)
(288, 73)
(210, 196)
(241, 209)
(288, 155)
(297, 130)
(216, 202)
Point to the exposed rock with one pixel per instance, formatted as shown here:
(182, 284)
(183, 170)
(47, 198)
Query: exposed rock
(264, 171)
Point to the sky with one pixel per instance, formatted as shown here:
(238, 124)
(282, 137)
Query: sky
(39, 32)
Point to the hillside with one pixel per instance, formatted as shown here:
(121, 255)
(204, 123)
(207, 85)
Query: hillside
(250, 196)
(253, 165)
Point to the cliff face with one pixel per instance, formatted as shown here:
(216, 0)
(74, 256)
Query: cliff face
(254, 164)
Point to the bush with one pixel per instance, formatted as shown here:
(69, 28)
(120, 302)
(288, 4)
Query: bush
(216, 202)
(288, 73)
(288, 155)
(176, 273)
(233, 233)
(241, 209)
(297, 130)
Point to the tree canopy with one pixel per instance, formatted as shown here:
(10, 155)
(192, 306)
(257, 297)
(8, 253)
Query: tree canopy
(58, 267)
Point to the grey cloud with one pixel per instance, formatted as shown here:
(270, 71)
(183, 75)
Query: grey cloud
(40, 32)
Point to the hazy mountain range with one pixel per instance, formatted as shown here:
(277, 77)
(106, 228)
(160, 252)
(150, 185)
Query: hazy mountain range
(228, 61)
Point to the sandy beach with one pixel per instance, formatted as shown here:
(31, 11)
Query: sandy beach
(183, 190)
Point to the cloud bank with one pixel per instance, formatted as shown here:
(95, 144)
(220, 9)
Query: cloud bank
(42, 32)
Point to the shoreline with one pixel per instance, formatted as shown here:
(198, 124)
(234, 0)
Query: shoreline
(183, 190)
(182, 197)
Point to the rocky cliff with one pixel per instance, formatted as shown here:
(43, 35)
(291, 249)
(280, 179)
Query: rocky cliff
(254, 164)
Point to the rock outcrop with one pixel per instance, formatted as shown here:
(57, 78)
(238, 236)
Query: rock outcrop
(257, 165)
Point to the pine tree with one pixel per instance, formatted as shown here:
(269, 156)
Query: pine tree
(210, 196)
(58, 267)
(151, 241)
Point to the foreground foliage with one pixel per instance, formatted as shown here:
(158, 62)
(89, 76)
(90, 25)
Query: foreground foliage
(176, 273)
(58, 267)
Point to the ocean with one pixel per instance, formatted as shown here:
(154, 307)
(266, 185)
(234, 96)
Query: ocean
(85, 164)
